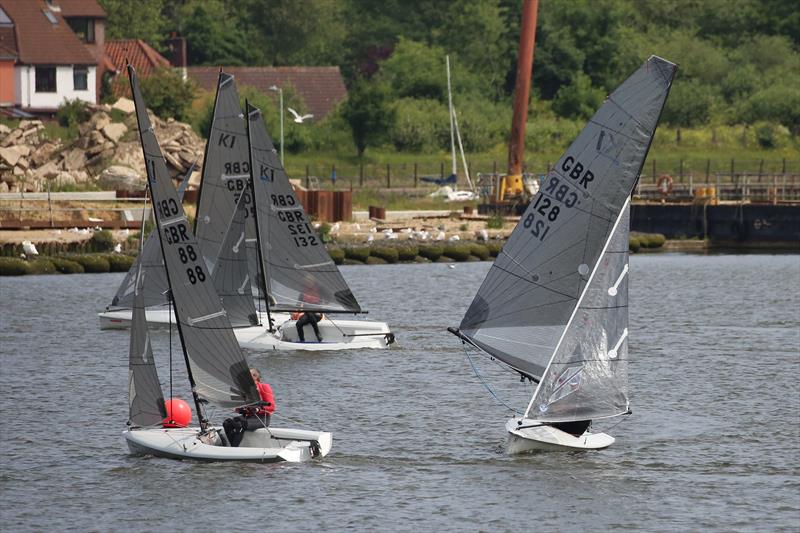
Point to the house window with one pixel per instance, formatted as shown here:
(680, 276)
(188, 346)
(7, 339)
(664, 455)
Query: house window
(49, 16)
(80, 78)
(83, 28)
(45, 79)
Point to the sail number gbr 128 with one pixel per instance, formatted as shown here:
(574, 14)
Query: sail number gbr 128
(556, 197)
(176, 234)
(299, 229)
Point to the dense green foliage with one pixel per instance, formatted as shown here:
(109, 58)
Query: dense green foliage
(739, 63)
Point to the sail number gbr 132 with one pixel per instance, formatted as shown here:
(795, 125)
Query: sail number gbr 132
(176, 234)
(289, 213)
(556, 197)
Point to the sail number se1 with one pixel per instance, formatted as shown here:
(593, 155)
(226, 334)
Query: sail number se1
(299, 229)
(175, 235)
(546, 209)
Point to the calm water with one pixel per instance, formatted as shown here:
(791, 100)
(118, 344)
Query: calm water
(418, 441)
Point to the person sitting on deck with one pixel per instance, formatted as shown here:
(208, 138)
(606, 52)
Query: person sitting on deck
(304, 318)
(251, 418)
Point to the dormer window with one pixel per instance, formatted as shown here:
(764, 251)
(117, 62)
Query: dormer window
(83, 28)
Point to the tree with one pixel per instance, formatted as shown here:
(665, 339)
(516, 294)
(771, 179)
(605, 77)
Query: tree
(136, 20)
(214, 36)
(368, 113)
(167, 95)
(579, 100)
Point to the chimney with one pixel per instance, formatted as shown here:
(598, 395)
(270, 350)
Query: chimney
(177, 53)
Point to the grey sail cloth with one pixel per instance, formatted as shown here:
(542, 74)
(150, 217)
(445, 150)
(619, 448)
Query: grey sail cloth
(152, 264)
(226, 169)
(299, 271)
(218, 370)
(232, 276)
(523, 305)
(587, 378)
(145, 397)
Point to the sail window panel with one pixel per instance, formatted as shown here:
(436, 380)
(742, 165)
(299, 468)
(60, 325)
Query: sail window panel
(588, 376)
(45, 80)
(218, 368)
(145, 397)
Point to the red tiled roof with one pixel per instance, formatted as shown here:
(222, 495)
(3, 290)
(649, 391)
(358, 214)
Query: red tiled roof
(81, 8)
(320, 87)
(39, 42)
(141, 55)
(8, 43)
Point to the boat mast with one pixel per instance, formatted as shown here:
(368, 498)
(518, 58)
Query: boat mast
(452, 118)
(578, 304)
(261, 264)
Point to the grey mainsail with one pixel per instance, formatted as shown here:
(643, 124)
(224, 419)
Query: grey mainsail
(226, 169)
(587, 378)
(145, 397)
(217, 369)
(232, 275)
(300, 273)
(523, 306)
(152, 265)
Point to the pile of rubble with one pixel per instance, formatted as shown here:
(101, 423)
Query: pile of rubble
(106, 152)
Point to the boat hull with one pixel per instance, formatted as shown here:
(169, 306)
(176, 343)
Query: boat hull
(533, 435)
(264, 445)
(336, 335)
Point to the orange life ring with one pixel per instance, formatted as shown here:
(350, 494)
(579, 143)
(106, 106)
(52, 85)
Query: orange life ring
(664, 184)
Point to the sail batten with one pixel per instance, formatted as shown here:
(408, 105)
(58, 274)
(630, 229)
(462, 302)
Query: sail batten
(217, 369)
(524, 305)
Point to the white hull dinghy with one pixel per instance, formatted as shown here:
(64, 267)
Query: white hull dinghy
(554, 306)
(264, 445)
(217, 370)
(161, 316)
(526, 435)
(336, 335)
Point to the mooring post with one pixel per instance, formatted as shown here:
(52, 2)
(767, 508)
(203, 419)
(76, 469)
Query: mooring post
(361, 175)
(388, 175)
(415, 175)
(307, 178)
(708, 169)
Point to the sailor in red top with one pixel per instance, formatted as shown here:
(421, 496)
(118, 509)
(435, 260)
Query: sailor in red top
(250, 418)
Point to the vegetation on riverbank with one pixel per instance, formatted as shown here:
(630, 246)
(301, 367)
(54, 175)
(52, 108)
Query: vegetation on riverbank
(381, 253)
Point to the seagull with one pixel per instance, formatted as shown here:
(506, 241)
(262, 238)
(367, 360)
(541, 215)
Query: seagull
(118, 248)
(297, 118)
(29, 248)
(451, 266)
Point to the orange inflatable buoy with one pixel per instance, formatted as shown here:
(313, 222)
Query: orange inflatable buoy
(179, 414)
(664, 184)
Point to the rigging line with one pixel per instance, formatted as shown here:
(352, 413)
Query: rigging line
(483, 382)
(169, 300)
(293, 420)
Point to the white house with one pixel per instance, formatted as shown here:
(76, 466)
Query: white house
(56, 52)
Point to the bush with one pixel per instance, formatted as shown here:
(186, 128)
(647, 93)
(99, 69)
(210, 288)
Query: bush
(324, 231)
(102, 241)
(167, 94)
(65, 266)
(457, 252)
(431, 252)
(496, 221)
(41, 265)
(480, 251)
(407, 252)
(72, 113)
(13, 266)
(337, 254)
(92, 263)
(360, 253)
(120, 262)
(387, 253)
(633, 244)
(494, 248)
(649, 240)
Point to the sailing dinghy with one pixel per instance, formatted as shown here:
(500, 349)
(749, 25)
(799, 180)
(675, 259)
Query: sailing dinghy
(217, 369)
(296, 268)
(224, 181)
(554, 305)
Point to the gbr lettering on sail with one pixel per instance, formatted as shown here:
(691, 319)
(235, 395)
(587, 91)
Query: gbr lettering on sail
(559, 195)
